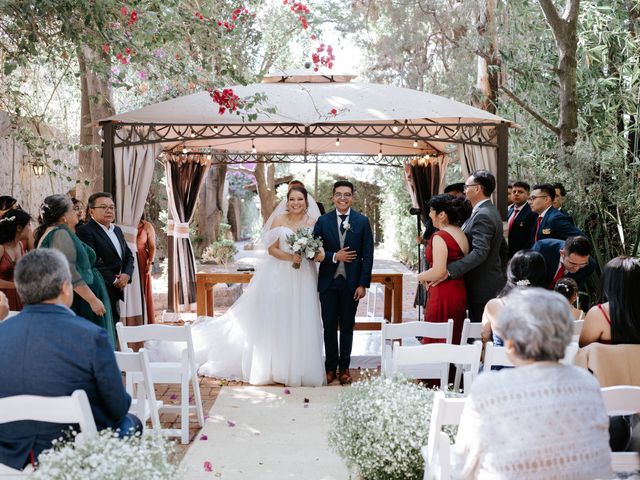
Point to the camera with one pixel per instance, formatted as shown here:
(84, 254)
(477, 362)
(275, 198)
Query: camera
(415, 211)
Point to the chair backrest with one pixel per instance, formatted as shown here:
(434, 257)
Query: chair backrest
(138, 363)
(436, 330)
(470, 330)
(570, 354)
(621, 399)
(445, 411)
(169, 333)
(495, 356)
(414, 362)
(72, 409)
(577, 329)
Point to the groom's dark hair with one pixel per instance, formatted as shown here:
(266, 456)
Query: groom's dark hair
(343, 183)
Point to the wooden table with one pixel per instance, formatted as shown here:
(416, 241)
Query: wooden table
(392, 282)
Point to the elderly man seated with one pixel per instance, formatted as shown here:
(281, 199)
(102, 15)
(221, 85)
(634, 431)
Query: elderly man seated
(47, 350)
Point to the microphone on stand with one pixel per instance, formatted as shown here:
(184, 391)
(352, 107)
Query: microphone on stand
(417, 212)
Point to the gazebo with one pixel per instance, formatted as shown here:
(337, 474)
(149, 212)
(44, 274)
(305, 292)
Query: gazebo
(299, 117)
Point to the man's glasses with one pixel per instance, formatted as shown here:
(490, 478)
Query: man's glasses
(343, 195)
(106, 207)
(467, 185)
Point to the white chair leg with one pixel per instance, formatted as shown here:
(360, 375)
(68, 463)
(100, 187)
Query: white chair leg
(184, 411)
(197, 398)
(456, 382)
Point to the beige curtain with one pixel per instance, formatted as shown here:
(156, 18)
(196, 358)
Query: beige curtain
(475, 157)
(134, 172)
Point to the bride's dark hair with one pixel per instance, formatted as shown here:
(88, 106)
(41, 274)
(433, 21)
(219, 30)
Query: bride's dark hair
(302, 190)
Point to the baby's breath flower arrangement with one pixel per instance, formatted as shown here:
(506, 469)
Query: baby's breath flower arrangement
(106, 456)
(379, 426)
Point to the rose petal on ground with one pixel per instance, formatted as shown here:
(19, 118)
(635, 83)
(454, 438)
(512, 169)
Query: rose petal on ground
(287, 391)
(204, 437)
(231, 423)
(173, 396)
(306, 400)
(208, 467)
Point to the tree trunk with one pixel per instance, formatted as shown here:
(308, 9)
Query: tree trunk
(266, 185)
(488, 78)
(564, 30)
(233, 217)
(210, 206)
(96, 103)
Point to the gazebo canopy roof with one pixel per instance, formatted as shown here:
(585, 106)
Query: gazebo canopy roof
(369, 118)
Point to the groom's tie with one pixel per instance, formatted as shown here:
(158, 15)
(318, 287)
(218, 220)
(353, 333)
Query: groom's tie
(342, 218)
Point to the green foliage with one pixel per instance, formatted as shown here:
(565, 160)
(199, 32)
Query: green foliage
(222, 250)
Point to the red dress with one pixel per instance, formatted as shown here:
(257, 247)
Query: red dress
(7, 266)
(145, 278)
(449, 298)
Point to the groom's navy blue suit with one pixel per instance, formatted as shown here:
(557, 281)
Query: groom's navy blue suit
(336, 293)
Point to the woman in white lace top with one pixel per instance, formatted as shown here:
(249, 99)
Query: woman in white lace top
(541, 420)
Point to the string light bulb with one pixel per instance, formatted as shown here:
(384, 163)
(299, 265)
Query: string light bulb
(380, 152)
(253, 147)
(184, 150)
(337, 142)
(215, 129)
(415, 144)
(395, 129)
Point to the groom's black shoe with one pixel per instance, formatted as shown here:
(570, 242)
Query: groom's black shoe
(345, 377)
(331, 376)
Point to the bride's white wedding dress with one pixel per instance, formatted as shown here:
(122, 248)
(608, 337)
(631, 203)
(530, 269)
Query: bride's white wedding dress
(271, 334)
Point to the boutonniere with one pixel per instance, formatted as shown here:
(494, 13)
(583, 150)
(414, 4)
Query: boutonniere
(546, 231)
(346, 225)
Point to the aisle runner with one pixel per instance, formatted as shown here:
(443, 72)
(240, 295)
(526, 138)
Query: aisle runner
(262, 433)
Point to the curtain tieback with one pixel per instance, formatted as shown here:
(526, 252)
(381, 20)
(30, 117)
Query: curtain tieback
(178, 229)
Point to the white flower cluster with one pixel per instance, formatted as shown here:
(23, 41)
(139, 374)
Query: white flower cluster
(303, 243)
(379, 426)
(107, 456)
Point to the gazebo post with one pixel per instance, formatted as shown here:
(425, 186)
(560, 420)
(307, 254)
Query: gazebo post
(503, 168)
(108, 167)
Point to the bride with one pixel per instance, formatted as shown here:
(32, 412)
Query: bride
(273, 332)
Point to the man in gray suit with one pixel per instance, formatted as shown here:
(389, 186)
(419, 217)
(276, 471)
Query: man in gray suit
(482, 267)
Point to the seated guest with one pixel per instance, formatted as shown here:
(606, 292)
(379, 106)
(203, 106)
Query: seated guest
(569, 258)
(7, 203)
(617, 318)
(525, 269)
(521, 220)
(550, 223)
(47, 350)
(455, 189)
(541, 419)
(15, 232)
(568, 288)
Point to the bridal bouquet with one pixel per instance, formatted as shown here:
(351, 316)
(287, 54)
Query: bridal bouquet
(304, 244)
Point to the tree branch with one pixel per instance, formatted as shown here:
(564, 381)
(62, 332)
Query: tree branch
(530, 110)
(553, 19)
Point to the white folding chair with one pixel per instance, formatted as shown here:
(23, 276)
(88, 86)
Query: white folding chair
(181, 372)
(470, 331)
(397, 331)
(622, 400)
(72, 409)
(437, 452)
(144, 403)
(418, 362)
(577, 329)
(372, 293)
(570, 354)
(495, 355)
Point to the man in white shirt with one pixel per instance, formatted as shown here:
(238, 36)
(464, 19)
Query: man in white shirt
(114, 258)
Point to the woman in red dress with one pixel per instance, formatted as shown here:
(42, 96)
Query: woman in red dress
(15, 232)
(447, 299)
(146, 244)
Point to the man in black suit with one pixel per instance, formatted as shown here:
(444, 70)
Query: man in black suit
(114, 258)
(521, 220)
(482, 267)
(48, 350)
(551, 223)
(567, 258)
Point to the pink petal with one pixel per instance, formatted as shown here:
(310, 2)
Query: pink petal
(231, 423)
(204, 437)
(306, 400)
(287, 391)
(173, 396)
(206, 417)
(208, 467)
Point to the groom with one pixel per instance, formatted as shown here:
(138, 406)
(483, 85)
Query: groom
(345, 275)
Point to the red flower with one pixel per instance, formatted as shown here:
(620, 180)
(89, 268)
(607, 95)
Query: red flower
(208, 467)
(124, 60)
(118, 56)
(237, 11)
(124, 11)
(106, 48)
(133, 18)
(127, 51)
(333, 112)
(313, 36)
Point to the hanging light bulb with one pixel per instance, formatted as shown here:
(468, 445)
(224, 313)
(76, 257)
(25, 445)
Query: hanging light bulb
(337, 142)
(395, 129)
(209, 157)
(184, 150)
(380, 152)
(215, 129)
(193, 135)
(253, 147)
(428, 156)
(415, 144)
